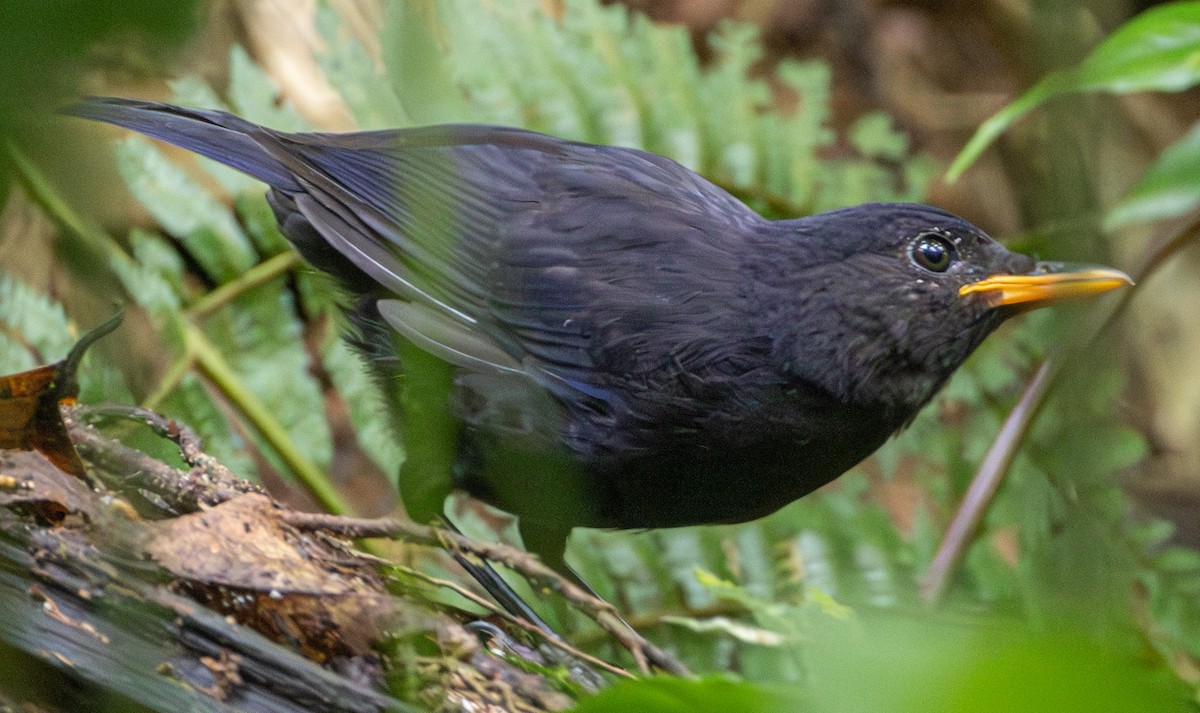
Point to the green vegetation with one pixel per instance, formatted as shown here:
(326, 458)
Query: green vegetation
(1061, 603)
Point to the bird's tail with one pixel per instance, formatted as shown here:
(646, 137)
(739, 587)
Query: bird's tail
(218, 135)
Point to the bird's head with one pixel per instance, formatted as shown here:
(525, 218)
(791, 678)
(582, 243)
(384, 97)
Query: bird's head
(896, 296)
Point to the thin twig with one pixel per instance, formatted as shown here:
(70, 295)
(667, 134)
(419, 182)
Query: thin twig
(516, 621)
(179, 491)
(170, 380)
(260, 274)
(984, 485)
(213, 365)
(1000, 455)
(226, 484)
(526, 564)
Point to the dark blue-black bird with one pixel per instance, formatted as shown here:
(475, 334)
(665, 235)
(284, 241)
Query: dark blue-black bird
(633, 346)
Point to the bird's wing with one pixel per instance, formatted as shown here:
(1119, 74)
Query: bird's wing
(510, 250)
(499, 249)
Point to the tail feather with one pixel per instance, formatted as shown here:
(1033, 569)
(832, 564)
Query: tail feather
(218, 135)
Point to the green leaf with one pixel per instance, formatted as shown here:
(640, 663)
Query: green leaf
(185, 210)
(374, 426)
(367, 92)
(872, 135)
(417, 67)
(932, 663)
(33, 329)
(253, 95)
(1178, 559)
(1168, 189)
(1159, 50)
(671, 695)
(735, 629)
(829, 606)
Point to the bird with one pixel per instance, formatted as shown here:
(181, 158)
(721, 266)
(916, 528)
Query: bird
(631, 346)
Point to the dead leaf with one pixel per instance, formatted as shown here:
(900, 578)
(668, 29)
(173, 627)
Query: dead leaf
(29, 405)
(29, 480)
(298, 588)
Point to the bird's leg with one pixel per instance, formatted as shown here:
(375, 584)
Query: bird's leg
(500, 590)
(550, 546)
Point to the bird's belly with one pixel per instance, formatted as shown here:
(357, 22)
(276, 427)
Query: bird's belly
(723, 483)
(724, 467)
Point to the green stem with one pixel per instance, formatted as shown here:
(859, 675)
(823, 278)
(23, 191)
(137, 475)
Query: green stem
(97, 247)
(213, 365)
(256, 276)
(170, 381)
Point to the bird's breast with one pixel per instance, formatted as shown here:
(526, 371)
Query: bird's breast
(729, 467)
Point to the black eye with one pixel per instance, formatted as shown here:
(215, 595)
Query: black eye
(932, 252)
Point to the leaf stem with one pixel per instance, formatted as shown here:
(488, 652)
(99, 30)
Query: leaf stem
(212, 364)
(985, 484)
(170, 381)
(999, 456)
(256, 276)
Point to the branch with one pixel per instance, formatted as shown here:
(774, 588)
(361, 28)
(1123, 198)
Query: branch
(516, 559)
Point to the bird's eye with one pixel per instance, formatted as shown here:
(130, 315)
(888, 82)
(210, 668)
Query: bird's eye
(932, 252)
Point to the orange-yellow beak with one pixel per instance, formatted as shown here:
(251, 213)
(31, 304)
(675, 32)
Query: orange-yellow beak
(1048, 284)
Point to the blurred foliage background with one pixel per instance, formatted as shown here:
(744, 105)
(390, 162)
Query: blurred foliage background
(1078, 591)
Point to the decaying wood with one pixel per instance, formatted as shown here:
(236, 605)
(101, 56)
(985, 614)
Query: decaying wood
(162, 589)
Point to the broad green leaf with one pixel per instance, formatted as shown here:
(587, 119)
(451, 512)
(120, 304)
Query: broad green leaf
(1168, 189)
(670, 695)
(33, 328)
(417, 64)
(1159, 50)
(918, 662)
(374, 426)
(206, 227)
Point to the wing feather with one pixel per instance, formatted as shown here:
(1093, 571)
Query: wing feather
(538, 244)
(577, 262)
